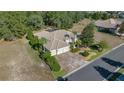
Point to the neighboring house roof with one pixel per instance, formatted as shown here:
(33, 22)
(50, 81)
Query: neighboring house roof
(110, 23)
(56, 39)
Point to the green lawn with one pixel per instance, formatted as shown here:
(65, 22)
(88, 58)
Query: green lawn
(99, 53)
(59, 73)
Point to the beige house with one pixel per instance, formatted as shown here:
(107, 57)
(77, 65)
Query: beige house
(58, 40)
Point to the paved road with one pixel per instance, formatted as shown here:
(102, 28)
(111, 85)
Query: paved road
(101, 68)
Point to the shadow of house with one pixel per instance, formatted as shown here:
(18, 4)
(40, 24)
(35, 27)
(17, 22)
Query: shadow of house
(103, 72)
(112, 62)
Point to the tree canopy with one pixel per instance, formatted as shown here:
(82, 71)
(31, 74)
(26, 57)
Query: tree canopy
(87, 36)
(16, 24)
(121, 30)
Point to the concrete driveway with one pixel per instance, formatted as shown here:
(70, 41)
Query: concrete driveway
(101, 68)
(70, 61)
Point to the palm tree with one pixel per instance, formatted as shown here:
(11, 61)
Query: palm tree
(78, 43)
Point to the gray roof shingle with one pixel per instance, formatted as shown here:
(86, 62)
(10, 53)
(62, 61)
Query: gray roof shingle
(56, 39)
(110, 23)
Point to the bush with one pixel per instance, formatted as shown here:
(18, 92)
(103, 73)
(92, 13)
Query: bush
(9, 37)
(85, 53)
(53, 64)
(29, 35)
(51, 61)
(74, 50)
(97, 47)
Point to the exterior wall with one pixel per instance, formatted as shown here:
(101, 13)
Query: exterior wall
(60, 51)
(63, 50)
(109, 30)
(53, 52)
(112, 30)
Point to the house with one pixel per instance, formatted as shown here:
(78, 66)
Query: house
(58, 40)
(109, 25)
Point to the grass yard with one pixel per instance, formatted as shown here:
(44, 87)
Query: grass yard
(59, 73)
(97, 54)
(19, 62)
(91, 54)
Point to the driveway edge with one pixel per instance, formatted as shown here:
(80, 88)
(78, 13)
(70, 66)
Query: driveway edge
(92, 61)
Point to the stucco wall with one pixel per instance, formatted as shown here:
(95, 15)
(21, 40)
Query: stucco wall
(60, 50)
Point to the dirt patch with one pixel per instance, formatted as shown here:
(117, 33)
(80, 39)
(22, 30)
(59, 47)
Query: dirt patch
(113, 41)
(78, 27)
(16, 63)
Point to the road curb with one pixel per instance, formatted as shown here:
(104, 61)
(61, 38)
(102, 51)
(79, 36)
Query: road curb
(112, 73)
(92, 61)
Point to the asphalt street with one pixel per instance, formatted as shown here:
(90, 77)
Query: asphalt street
(101, 68)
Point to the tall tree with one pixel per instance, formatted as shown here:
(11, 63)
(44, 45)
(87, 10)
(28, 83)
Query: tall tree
(87, 36)
(121, 30)
(35, 22)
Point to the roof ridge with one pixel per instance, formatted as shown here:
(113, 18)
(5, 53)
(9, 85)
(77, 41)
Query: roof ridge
(112, 21)
(52, 40)
(57, 45)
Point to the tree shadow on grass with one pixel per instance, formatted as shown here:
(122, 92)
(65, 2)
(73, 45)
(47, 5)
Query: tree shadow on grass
(112, 62)
(103, 72)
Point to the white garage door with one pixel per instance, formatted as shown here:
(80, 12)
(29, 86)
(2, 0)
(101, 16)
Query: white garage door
(53, 52)
(63, 50)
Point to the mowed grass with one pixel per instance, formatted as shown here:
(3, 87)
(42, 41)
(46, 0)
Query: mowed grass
(19, 62)
(58, 74)
(99, 53)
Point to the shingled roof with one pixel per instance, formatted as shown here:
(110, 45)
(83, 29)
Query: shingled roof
(56, 39)
(110, 23)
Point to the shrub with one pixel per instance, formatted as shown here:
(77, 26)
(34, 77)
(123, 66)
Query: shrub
(29, 35)
(97, 47)
(46, 56)
(74, 50)
(85, 53)
(53, 64)
(121, 30)
(51, 61)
